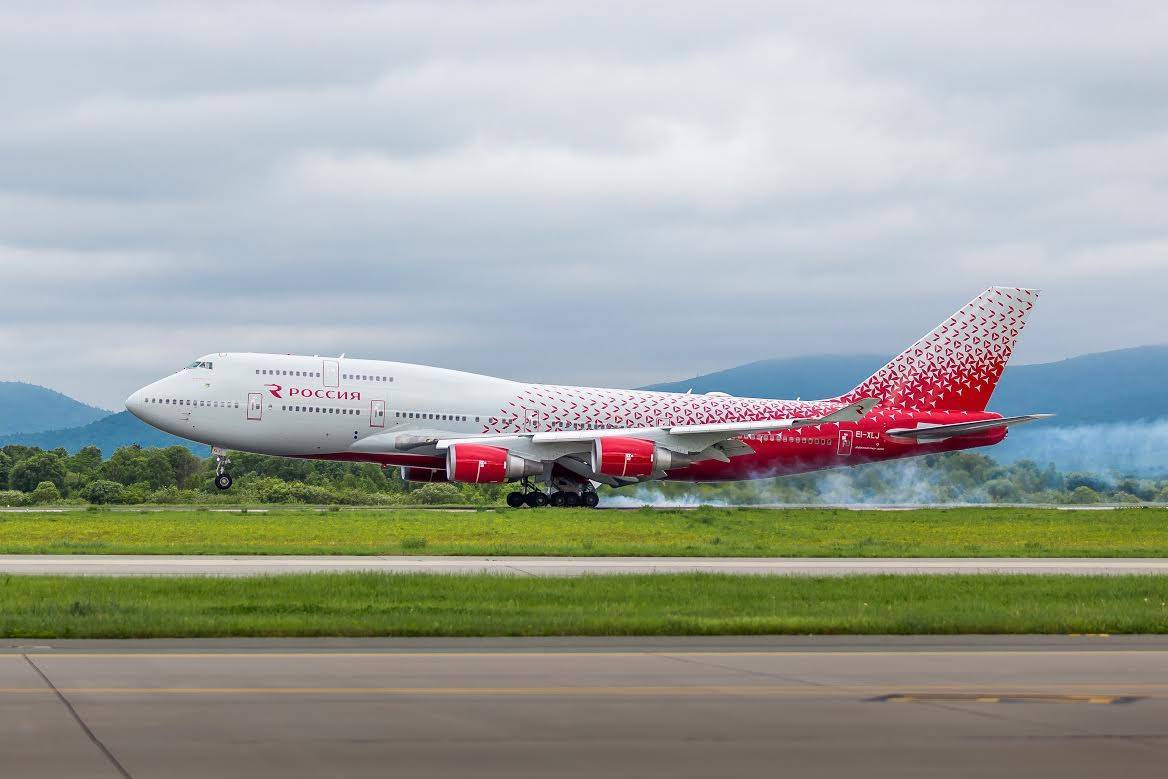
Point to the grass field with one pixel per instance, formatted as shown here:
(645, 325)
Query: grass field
(411, 605)
(958, 532)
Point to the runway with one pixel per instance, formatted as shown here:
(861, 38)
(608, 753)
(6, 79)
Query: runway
(657, 707)
(254, 565)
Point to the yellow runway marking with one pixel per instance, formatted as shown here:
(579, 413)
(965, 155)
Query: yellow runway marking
(1027, 697)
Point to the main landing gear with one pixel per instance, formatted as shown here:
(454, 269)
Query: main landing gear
(536, 498)
(222, 477)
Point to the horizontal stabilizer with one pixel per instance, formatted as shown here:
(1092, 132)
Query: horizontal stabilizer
(928, 433)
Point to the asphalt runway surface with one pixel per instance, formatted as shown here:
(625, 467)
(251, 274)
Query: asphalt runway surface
(656, 707)
(252, 565)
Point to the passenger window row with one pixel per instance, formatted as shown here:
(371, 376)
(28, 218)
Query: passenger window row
(793, 439)
(199, 403)
(322, 410)
(365, 377)
(273, 372)
(438, 417)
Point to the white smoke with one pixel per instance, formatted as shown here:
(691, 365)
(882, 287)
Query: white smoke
(1130, 448)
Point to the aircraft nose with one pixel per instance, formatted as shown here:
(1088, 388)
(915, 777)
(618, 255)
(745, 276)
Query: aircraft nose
(136, 404)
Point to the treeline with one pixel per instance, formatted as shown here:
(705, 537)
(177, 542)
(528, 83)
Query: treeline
(133, 475)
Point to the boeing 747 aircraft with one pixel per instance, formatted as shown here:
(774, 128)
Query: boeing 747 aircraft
(444, 425)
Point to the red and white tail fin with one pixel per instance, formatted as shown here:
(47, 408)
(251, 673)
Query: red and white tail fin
(958, 364)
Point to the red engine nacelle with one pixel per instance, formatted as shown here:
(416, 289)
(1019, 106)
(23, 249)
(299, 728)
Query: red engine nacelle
(633, 458)
(481, 464)
(413, 473)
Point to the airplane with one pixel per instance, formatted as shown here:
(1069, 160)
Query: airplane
(441, 425)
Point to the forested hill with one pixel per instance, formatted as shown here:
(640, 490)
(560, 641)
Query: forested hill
(109, 433)
(27, 408)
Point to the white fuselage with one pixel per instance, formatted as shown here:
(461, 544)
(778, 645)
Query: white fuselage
(311, 406)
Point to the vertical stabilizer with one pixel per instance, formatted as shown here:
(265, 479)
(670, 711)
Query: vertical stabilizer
(958, 364)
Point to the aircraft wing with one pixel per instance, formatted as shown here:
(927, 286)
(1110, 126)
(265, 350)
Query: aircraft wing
(931, 433)
(686, 439)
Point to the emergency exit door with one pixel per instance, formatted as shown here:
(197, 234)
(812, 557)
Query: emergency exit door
(377, 413)
(255, 405)
(331, 373)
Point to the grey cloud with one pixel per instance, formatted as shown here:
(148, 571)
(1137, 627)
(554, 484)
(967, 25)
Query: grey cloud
(596, 193)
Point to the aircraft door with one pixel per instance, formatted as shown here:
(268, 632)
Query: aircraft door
(331, 373)
(255, 406)
(845, 442)
(530, 419)
(377, 413)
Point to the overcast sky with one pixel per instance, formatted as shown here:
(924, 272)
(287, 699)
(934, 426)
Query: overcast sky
(587, 193)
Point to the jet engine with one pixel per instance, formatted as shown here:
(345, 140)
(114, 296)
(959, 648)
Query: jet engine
(633, 458)
(414, 473)
(482, 464)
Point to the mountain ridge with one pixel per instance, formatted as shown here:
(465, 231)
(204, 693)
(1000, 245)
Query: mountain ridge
(31, 408)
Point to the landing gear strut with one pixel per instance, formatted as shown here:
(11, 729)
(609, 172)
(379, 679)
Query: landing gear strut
(222, 478)
(528, 494)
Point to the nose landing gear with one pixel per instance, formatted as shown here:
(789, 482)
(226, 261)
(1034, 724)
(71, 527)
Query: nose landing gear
(222, 477)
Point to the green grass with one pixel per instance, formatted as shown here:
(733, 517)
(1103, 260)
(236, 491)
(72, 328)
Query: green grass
(696, 604)
(958, 532)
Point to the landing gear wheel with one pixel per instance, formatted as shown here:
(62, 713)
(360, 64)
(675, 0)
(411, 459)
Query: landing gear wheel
(590, 500)
(536, 499)
(557, 499)
(571, 500)
(223, 481)
(514, 499)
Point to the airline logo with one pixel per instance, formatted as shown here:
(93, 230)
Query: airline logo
(309, 392)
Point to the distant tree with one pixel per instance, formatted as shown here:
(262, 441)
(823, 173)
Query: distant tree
(130, 465)
(1092, 480)
(1140, 489)
(14, 498)
(42, 466)
(103, 491)
(1084, 494)
(86, 462)
(19, 452)
(184, 464)
(1003, 491)
(435, 493)
(46, 492)
(5, 469)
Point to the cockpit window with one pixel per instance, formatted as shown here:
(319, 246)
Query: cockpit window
(201, 364)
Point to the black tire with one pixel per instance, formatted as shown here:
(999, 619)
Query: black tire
(223, 481)
(590, 500)
(571, 500)
(557, 499)
(536, 499)
(515, 499)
